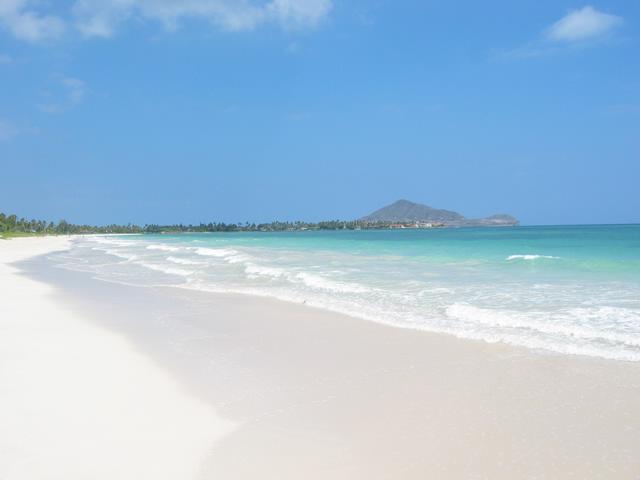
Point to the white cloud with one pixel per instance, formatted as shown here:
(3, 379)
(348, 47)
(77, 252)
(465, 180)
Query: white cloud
(24, 23)
(294, 13)
(7, 131)
(584, 24)
(102, 17)
(71, 92)
(576, 30)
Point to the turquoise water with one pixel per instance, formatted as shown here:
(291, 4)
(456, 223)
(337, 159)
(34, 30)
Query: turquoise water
(571, 290)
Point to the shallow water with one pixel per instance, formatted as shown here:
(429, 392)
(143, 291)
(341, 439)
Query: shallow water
(572, 290)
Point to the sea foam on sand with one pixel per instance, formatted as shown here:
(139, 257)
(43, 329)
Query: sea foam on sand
(78, 402)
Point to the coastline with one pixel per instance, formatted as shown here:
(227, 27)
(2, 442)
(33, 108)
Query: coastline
(321, 395)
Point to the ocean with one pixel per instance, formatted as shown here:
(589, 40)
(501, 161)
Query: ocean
(563, 289)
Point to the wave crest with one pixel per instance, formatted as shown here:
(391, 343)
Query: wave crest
(531, 257)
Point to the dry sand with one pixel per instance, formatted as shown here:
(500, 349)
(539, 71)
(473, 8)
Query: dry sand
(78, 401)
(304, 393)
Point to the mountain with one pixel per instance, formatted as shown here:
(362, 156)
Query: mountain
(406, 211)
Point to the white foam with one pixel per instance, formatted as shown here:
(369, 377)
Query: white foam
(565, 327)
(323, 283)
(182, 261)
(164, 248)
(215, 252)
(530, 257)
(116, 253)
(229, 255)
(108, 241)
(255, 270)
(167, 269)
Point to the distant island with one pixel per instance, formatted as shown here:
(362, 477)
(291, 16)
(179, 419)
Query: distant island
(407, 214)
(400, 214)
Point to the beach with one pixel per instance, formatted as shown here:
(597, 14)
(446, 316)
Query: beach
(79, 401)
(103, 379)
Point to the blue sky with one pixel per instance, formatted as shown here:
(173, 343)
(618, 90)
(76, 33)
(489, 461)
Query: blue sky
(199, 110)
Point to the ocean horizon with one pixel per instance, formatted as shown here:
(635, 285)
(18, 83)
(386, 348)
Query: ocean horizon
(563, 289)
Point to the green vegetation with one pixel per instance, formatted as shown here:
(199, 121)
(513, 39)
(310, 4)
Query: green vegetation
(276, 226)
(11, 226)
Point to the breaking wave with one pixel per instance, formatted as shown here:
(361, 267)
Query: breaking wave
(531, 257)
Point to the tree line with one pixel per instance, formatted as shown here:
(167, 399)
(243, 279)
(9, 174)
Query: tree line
(12, 224)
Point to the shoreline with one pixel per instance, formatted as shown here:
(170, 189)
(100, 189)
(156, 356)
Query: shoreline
(524, 300)
(514, 347)
(308, 390)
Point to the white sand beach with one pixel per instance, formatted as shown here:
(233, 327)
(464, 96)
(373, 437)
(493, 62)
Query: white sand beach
(78, 401)
(101, 380)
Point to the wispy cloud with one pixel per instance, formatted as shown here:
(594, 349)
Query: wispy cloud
(577, 29)
(102, 17)
(581, 25)
(5, 58)
(21, 19)
(69, 92)
(76, 89)
(28, 20)
(7, 130)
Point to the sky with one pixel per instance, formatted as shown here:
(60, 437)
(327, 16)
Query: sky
(166, 111)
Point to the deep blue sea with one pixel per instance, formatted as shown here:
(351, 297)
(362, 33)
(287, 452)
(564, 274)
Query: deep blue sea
(565, 289)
